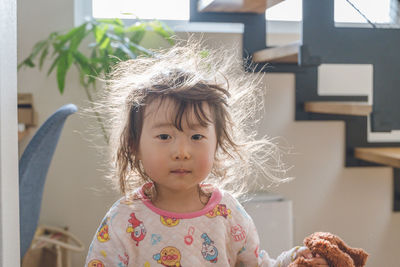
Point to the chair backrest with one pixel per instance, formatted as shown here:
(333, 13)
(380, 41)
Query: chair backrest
(33, 167)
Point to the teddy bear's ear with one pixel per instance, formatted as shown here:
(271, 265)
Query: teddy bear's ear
(333, 255)
(358, 256)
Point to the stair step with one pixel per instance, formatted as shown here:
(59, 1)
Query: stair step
(389, 156)
(340, 108)
(282, 54)
(238, 6)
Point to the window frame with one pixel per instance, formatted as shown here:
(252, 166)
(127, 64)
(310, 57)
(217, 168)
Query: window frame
(83, 9)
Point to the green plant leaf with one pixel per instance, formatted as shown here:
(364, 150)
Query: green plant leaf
(117, 22)
(94, 59)
(119, 55)
(125, 49)
(84, 67)
(61, 73)
(99, 32)
(77, 38)
(104, 43)
(113, 42)
(65, 37)
(114, 37)
(82, 61)
(163, 30)
(136, 32)
(61, 40)
(62, 67)
(120, 31)
(53, 65)
(43, 56)
(88, 68)
(27, 62)
(36, 49)
(141, 49)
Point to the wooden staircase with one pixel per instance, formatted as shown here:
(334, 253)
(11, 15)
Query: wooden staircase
(239, 6)
(281, 54)
(303, 58)
(389, 156)
(340, 108)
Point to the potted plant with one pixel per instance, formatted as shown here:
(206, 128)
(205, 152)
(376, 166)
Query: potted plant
(112, 42)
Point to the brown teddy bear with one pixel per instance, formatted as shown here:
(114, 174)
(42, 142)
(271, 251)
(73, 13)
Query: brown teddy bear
(333, 249)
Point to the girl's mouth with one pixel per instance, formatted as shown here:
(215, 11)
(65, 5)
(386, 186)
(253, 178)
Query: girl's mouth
(180, 171)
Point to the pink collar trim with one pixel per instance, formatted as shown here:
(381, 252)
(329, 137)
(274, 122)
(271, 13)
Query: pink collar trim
(215, 198)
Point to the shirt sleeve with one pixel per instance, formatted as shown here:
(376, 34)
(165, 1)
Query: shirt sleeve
(251, 255)
(106, 248)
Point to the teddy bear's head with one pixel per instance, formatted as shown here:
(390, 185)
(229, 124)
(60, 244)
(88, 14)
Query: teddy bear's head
(334, 250)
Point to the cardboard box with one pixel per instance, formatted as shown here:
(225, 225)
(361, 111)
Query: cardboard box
(25, 116)
(25, 100)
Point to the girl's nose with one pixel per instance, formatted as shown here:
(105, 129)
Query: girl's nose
(181, 151)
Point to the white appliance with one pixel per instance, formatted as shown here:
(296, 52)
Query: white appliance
(273, 217)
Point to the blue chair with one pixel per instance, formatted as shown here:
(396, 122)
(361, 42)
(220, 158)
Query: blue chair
(33, 167)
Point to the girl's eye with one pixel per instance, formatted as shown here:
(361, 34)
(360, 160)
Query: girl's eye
(163, 136)
(197, 137)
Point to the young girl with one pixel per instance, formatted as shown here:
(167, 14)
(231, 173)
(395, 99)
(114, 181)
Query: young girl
(183, 146)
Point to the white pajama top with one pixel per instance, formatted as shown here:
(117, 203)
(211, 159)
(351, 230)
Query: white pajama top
(136, 233)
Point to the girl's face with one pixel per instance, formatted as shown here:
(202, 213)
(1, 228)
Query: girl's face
(176, 161)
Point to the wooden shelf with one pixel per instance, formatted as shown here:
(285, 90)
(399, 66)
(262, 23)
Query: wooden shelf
(389, 156)
(236, 6)
(340, 108)
(282, 54)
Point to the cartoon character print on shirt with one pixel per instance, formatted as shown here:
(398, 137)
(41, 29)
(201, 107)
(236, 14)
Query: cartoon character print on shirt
(262, 254)
(188, 239)
(208, 250)
(131, 199)
(136, 228)
(102, 233)
(123, 260)
(238, 233)
(169, 256)
(95, 263)
(256, 252)
(169, 221)
(155, 239)
(219, 210)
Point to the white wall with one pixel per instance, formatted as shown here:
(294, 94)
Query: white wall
(354, 203)
(9, 208)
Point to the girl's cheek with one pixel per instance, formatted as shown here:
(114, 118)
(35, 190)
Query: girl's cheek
(158, 157)
(155, 167)
(206, 162)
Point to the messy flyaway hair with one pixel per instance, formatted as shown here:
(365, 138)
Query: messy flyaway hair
(190, 74)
